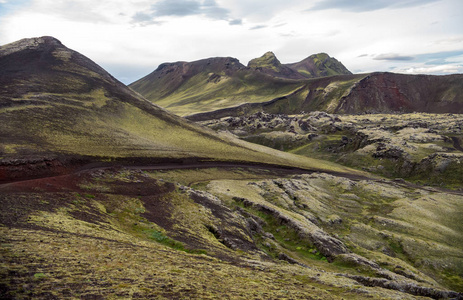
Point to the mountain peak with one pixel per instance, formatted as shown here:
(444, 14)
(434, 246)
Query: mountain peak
(30, 43)
(319, 65)
(268, 60)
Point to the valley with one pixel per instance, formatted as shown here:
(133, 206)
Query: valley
(284, 181)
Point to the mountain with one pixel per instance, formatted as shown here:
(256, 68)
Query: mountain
(105, 195)
(390, 92)
(56, 102)
(189, 87)
(318, 82)
(269, 64)
(361, 93)
(319, 65)
(193, 87)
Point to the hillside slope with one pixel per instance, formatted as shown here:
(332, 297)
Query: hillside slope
(191, 87)
(55, 101)
(361, 93)
(163, 208)
(219, 87)
(319, 65)
(186, 88)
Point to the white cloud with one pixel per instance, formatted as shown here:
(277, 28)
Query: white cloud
(138, 35)
(442, 69)
(392, 56)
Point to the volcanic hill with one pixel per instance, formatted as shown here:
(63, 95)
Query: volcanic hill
(157, 207)
(54, 101)
(215, 83)
(317, 83)
(317, 65)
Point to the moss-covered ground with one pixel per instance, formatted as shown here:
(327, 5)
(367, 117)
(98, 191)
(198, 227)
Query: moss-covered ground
(111, 234)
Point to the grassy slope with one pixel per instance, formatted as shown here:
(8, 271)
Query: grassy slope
(405, 230)
(319, 65)
(198, 95)
(121, 233)
(72, 106)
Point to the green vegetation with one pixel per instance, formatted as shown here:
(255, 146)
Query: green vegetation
(259, 223)
(268, 61)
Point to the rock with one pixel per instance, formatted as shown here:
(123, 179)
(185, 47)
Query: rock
(269, 235)
(253, 226)
(283, 256)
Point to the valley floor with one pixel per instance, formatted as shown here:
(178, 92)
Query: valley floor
(228, 233)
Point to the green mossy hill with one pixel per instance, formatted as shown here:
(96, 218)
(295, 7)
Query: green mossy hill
(223, 87)
(237, 233)
(209, 85)
(55, 101)
(268, 60)
(319, 65)
(187, 88)
(270, 65)
(359, 94)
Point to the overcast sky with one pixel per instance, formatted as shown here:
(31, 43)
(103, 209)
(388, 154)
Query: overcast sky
(130, 38)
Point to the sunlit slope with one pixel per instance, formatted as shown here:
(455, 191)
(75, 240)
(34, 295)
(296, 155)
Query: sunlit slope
(55, 100)
(210, 84)
(188, 88)
(361, 93)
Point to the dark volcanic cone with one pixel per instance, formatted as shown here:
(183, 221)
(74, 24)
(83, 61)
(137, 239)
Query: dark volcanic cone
(55, 100)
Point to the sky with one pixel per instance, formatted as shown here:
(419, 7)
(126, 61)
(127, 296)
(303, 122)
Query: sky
(130, 38)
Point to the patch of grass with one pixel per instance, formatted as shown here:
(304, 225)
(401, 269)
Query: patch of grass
(286, 237)
(95, 186)
(161, 238)
(39, 276)
(453, 280)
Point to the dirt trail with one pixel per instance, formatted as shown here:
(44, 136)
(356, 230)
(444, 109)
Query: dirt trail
(84, 169)
(70, 176)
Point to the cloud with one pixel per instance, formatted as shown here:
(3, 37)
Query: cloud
(450, 40)
(438, 70)
(393, 56)
(144, 19)
(176, 8)
(183, 8)
(258, 27)
(141, 17)
(279, 25)
(236, 22)
(8, 6)
(370, 5)
(213, 11)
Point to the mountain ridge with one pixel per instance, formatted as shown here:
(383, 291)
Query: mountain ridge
(209, 84)
(57, 102)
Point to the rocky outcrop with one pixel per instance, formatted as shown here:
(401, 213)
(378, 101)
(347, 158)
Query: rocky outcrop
(410, 288)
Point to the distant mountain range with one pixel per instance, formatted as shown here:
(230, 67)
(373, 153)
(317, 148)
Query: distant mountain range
(218, 87)
(210, 84)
